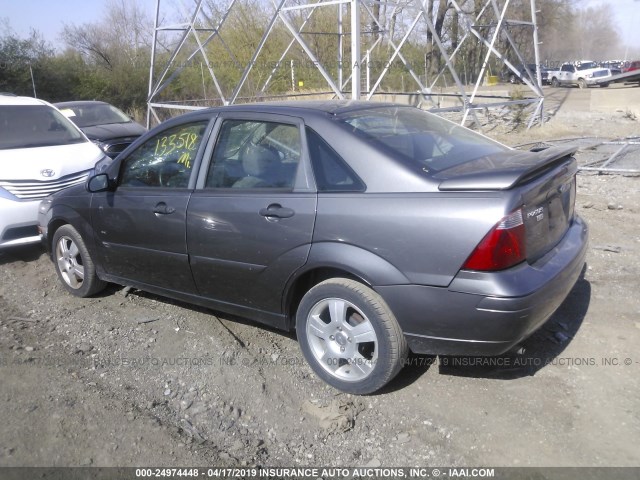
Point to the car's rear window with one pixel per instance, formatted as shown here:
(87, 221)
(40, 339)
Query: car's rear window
(425, 140)
(587, 65)
(30, 126)
(91, 114)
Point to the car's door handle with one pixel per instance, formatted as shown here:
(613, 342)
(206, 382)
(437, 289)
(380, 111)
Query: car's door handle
(163, 209)
(275, 210)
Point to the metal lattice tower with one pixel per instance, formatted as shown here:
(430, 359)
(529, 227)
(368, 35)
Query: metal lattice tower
(185, 44)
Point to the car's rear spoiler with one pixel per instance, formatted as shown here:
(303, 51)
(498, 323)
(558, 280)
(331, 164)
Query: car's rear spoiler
(512, 170)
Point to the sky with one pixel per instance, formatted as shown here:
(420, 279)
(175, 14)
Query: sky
(49, 16)
(626, 14)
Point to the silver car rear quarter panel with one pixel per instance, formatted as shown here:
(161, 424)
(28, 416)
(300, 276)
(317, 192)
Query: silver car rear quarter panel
(426, 236)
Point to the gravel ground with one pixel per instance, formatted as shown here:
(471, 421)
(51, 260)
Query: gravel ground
(130, 379)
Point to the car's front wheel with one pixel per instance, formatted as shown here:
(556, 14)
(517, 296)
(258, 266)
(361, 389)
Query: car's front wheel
(349, 336)
(74, 264)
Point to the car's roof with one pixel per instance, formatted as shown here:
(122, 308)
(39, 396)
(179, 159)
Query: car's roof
(13, 100)
(79, 103)
(301, 107)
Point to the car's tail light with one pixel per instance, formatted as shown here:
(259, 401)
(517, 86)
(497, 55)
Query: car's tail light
(502, 247)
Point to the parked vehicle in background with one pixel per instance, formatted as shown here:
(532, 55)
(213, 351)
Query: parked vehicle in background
(583, 74)
(104, 124)
(631, 66)
(514, 78)
(544, 73)
(614, 66)
(41, 152)
(369, 228)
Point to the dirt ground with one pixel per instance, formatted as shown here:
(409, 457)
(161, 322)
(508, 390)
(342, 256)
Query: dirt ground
(131, 379)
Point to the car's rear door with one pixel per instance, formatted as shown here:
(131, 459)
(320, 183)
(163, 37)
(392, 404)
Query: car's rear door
(250, 220)
(140, 227)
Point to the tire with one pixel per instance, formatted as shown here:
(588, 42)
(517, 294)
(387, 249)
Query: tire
(555, 83)
(582, 83)
(604, 85)
(330, 317)
(513, 79)
(73, 263)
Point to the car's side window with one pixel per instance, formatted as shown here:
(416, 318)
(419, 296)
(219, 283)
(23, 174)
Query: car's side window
(255, 154)
(165, 160)
(331, 172)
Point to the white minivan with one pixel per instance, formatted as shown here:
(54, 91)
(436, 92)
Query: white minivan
(41, 152)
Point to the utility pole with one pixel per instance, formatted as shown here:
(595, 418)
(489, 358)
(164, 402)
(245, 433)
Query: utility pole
(33, 82)
(355, 50)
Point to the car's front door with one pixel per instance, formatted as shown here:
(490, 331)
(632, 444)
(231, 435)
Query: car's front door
(566, 74)
(250, 221)
(140, 227)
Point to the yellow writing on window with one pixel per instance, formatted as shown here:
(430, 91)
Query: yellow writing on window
(168, 144)
(185, 159)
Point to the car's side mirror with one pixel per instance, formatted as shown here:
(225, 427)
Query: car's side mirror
(99, 183)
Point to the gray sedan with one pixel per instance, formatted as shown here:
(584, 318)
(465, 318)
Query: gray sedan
(370, 229)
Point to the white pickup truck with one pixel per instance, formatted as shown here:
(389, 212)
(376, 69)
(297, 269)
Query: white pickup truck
(583, 74)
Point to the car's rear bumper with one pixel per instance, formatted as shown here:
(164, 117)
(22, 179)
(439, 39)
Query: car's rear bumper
(488, 313)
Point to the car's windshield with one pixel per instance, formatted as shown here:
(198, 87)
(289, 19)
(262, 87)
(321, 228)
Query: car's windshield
(30, 126)
(91, 114)
(587, 65)
(426, 141)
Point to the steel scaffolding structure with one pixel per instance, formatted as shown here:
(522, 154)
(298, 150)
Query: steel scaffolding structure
(186, 42)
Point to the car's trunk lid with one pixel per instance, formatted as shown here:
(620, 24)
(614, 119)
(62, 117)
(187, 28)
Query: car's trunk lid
(546, 180)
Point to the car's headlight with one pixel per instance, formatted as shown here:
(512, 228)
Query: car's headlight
(5, 194)
(102, 146)
(45, 206)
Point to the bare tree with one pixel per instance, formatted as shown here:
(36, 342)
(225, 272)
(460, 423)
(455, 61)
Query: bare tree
(116, 52)
(597, 37)
(123, 36)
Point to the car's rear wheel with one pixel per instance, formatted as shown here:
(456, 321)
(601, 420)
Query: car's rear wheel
(349, 336)
(74, 264)
(582, 83)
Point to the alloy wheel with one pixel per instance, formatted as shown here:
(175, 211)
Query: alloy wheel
(70, 262)
(342, 339)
